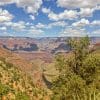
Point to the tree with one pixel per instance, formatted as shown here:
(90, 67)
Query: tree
(79, 74)
(80, 51)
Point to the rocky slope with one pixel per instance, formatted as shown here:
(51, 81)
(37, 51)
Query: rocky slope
(16, 85)
(23, 65)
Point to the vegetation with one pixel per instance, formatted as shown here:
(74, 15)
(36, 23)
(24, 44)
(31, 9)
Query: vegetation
(79, 73)
(22, 96)
(16, 85)
(75, 76)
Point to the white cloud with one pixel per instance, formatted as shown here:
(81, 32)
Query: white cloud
(95, 33)
(32, 17)
(86, 12)
(51, 25)
(21, 25)
(3, 28)
(35, 31)
(40, 25)
(73, 32)
(5, 16)
(30, 6)
(67, 14)
(58, 24)
(70, 14)
(53, 16)
(4, 2)
(78, 3)
(96, 23)
(87, 7)
(45, 10)
(83, 22)
(8, 24)
(97, 8)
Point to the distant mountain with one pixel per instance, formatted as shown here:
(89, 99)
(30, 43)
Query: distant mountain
(95, 40)
(39, 48)
(37, 44)
(63, 47)
(31, 47)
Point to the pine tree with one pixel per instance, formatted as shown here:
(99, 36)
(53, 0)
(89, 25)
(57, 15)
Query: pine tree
(79, 74)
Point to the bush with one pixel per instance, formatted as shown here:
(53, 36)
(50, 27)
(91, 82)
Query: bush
(22, 96)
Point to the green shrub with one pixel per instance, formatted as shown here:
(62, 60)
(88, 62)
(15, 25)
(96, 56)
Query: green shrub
(22, 96)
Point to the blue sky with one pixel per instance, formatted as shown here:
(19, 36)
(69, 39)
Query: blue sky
(49, 18)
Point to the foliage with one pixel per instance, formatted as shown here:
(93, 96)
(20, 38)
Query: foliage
(22, 96)
(79, 74)
(3, 89)
(15, 84)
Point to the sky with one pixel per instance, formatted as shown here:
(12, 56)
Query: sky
(49, 18)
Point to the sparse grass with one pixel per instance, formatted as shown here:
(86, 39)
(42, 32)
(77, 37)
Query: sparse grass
(12, 80)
